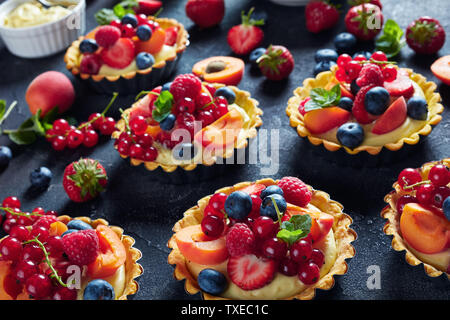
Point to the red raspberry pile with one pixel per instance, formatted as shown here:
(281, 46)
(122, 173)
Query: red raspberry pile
(295, 191)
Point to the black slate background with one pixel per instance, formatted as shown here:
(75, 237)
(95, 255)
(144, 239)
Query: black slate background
(147, 209)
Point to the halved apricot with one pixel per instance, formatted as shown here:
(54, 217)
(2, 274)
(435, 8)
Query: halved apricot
(321, 223)
(154, 45)
(423, 230)
(392, 118)
(4, 271)
(220, 69)
(112, 253)
(57, 228)
(195, 246)
(322, 120)
(441, 69)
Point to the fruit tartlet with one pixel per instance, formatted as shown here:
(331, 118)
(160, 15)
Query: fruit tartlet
(188, 124)
(363, 105)
(46, 257)
(129, 54)
(418, 215)
(262, 240)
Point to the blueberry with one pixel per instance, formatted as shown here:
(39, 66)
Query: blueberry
(88, 46)
(354, 87)
(326, 55)
(255, 54)
(184, 151)
(227, 93)
(144, 60)
(350, 134)
(212, 281)
(5, 156)
(446, 208)
(323, 66)
(76, 224)
(268, 209)
(144, 32)
(168, 123)
(40, 178)
(346, 103)
(366, 54)
(166, 86)
(130, 18)
(377, 100)
(69, 231)
(273, 189)
(417, 108)
(238, 205)
(98, 289)
(345, 42)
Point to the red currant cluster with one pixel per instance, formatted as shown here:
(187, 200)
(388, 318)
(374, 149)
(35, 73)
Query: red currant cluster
(35, 254)
(430, 192)
(128, 26)
(349, 68)
(137, 143)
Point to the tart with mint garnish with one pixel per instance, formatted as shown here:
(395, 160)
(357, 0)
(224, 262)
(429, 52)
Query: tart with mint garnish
(262, 240)
(185, 123)
(128, 53)
(50, 257)
(365, 105)
(418, 215)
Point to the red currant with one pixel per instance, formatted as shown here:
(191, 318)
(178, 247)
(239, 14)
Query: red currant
(439, 175)
(108, 126)
(128, 31)
(210, 211)
(51, 213)
(21, 233)
(317, 257)
(211, 89)
(40, 232)
(38, 210)
(389, 73)
(424, 194)
(217, 201)
(124, 147)
(9, 224)
(220, 110)
(59, 143)
(38, 286)
(63, 293)
(212, 226)
(26, 220)
(60, 126)
(54, 246)
(138, 125)
(116, 23)
(353, 68)
(360, 58)
(11, 202)
(439, 195)
(403, 200)
(343, 60)
(379, 56)
(11, 249)
(136, 151)
(206, 118)
(186, 105)
(142, 19)
(145, 140)
(342, 76)
(264, 227)
(24, 270)
(150, 154)
(32, 252)
(75, 138)
(309, 273)
(274, 248)
(288, 267)
(203, 99)
(301, 251)
(409, 177)
(96, 123)
(90, 138)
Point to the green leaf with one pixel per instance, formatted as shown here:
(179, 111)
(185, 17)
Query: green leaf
(28, 130)
(322, 98)
(391, 42)
(49, 118)
(296, 228)
(105, 16)
(163, 106)
(2, 108)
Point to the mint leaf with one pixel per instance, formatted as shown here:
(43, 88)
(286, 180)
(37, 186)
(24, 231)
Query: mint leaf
(105, 16)
(390, 42)
(2, 108)
(28, 131)
(296, 228)
(163, 106)
(322, 98)
(49, 118)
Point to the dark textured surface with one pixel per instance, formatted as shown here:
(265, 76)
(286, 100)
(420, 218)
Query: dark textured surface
(147, 209)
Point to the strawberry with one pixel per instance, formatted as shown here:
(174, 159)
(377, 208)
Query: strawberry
(254, 189)
(106, 36)
(171, 36)
(119, 55)
(402, 86)
(249, 272)
(353, 3)
(84, 179)
(205, 13)
(247, 36)
(320, 15)
(425, 35)
(81, 247)
(148, 7)
(276, 63)
(364, 21)
(359, 109)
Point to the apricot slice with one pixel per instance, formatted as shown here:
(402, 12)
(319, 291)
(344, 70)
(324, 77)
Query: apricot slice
(223, 132)
(4, 271)
(221, 69)
(392, 118)
(322, 120)
(423, 230)
(112, 254)
(57, 228)
(441, 69)
(195, 247)
(154, 45)
(321, 223)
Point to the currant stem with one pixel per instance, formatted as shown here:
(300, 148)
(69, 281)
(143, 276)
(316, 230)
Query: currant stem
(115, 94)
(11, 107)
(412, 186)
(277, 210)
(127, 124)
(20, 214)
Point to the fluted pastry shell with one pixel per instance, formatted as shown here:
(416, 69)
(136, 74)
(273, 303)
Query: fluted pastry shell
(344, 235)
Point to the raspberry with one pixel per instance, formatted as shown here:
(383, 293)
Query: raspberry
(295, 191)
(359, 109)
(106, 36)
(185, 85)
(81, 246)
(45, 221)
(240, 240)
(370, 75)
(91, 64)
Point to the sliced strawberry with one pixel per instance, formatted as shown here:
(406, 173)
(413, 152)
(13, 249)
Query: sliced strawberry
(171, 36)
(441, 69)
(402, 86)
(346, 93)
(247, 36)
(255, 189)
(359, 109)
(249, 272)
(119, 55)
(392, 118)
(148, 7)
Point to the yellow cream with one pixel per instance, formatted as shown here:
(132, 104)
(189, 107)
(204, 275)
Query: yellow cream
(164, 54)
(32, 13)
(117, 281)
(440, 260)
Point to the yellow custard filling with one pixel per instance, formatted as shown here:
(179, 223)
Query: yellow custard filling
(32, 13)
(164, 54)
(117, 281)
(408, 127)
(440, 260)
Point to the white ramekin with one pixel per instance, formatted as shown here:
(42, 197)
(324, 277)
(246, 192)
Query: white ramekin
(291, 3)
(45, 39)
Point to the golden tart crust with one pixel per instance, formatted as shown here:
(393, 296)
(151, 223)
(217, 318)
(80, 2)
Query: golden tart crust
(243, 99)
(71, 58)
(132, 268)
(343, 234)
(392, 226)
(323, 78)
